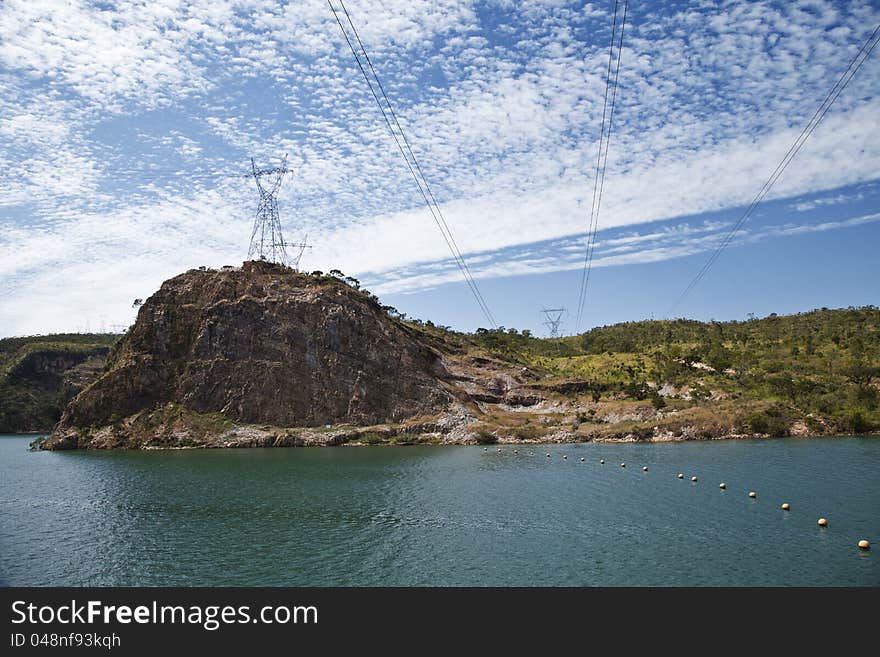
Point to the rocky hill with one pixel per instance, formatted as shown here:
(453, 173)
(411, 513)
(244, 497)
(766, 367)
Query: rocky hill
(39, 375)
(265, 356)
(214, 351)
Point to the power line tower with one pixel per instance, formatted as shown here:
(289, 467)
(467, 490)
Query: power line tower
(267, 241)
(553, 320)
(302, 246)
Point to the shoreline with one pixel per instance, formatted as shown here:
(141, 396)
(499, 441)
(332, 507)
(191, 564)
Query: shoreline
(570, 439)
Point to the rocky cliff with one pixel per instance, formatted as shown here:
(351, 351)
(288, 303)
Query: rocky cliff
(264, 356)
(39, 375)
(214, 352)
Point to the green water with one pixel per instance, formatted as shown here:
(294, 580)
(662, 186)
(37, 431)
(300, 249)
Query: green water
(443, 515)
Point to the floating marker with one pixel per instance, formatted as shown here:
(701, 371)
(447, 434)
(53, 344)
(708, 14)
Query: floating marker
(583, 459)
(548, 455)
(485, 449)
(516, 451)
(623, 465)
(602, 461)
(680, 476)
(645, 468)
(693, 478)
(786, 507)
(823, 522)
(864, 544)
(722, 485)
(752, 494)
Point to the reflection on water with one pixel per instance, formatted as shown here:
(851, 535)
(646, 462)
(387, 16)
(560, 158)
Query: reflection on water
(443, 515)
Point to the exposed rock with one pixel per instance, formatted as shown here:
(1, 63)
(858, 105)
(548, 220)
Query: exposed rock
(42, 375)
(258, 345)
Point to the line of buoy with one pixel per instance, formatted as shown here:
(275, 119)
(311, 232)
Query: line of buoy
(863, 544)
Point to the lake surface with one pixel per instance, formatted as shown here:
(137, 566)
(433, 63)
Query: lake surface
(444, 515)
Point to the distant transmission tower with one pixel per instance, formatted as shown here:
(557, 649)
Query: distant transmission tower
(553, 320)
(267, 241)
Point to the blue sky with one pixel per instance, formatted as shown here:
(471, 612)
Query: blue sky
(125, 128)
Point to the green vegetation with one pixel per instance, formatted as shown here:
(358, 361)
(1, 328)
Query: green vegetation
(821, 368)
(371, 438)
(485, 437)
(819, 371)
(39, 375)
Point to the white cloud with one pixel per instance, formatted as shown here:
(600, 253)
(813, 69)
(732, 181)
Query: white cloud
(102, 104)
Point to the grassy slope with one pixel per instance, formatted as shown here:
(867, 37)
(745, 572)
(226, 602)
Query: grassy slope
(34, 387)
(821, 368)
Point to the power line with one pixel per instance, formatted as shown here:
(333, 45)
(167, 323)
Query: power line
(853, 67)
(409, 156)
(601, 159)
(463, 263)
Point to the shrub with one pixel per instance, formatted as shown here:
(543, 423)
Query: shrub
(637, 390)
(527, 432)
(485, 437)
(371, 438)
(757, 423)
(855, 422)
(771, 422)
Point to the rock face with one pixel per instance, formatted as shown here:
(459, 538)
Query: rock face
(258, 345)
(40, 376)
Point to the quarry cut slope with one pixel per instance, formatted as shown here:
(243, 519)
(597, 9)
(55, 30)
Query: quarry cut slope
(256, 345)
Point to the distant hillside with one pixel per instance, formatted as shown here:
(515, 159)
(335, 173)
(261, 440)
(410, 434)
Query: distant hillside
(40, 374)
(256, 356)
(820, 368)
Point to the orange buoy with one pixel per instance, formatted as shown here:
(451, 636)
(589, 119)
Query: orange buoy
(823, 522)
(786, 507)
(864, 544)
(753, 494)
(722, 485)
